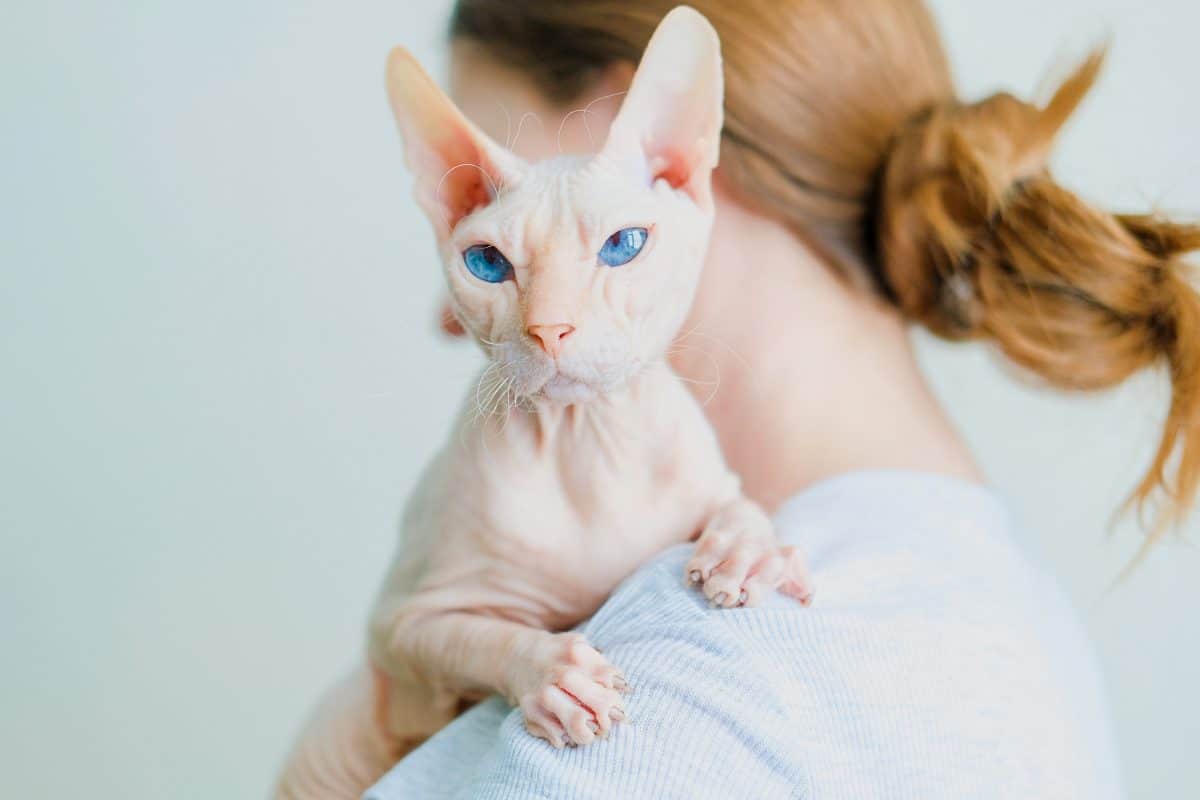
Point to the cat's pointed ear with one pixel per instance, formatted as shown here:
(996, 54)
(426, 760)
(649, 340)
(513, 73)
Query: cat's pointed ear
(458, 169)
(670, 123)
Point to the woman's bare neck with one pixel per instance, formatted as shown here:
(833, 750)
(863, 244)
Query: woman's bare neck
(815, 378)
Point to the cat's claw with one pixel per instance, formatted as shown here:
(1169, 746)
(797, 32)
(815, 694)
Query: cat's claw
(735, 568)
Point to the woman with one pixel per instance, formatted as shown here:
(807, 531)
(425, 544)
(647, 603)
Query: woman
(856, 194)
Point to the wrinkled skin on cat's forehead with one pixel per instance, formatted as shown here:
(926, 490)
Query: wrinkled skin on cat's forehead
(560, 318)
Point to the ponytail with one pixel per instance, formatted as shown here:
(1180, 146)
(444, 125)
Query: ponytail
(978, 242)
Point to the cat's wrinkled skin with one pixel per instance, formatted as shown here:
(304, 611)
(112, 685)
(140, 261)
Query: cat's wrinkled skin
(579, 455)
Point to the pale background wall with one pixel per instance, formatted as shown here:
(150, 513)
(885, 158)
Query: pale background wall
(219, 379)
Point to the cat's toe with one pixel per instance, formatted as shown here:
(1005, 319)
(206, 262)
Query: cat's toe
(543, 725)
(578, 697)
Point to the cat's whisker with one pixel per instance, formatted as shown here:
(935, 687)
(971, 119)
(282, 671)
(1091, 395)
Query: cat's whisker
(695, 331)
(698, 381)
(494, 391)
(684, 333)
(498, 397)
(507, 124)
(584, 111)
(500, 400)
(484, 378)
(521, 124)
(438, 192)
(510, 397)
(678, 349)
(563, 124)
(588, 109)
(477, 411)
(506, 391)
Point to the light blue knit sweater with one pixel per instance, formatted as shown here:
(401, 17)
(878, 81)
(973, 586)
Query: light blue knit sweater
(936, 662)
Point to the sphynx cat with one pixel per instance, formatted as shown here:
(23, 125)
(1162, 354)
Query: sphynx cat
(578, 455)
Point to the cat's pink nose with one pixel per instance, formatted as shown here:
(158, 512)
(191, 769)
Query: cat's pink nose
(550, 336)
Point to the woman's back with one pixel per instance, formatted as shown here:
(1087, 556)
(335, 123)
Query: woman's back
(936, 662)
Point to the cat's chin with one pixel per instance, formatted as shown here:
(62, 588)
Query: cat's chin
(562, 390)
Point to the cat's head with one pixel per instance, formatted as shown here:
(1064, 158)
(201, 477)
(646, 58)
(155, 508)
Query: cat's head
(575, 273)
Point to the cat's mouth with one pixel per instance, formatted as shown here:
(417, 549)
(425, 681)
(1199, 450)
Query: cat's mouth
(565, 390)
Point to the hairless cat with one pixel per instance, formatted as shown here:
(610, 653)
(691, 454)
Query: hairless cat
(579, 454)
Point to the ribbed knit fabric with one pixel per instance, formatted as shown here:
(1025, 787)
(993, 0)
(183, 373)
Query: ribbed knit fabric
(936, 662)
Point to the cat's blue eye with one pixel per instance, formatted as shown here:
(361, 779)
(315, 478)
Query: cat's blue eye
(487, 263)
(623, 246)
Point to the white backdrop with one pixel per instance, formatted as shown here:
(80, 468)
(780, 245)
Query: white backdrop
(219, 376)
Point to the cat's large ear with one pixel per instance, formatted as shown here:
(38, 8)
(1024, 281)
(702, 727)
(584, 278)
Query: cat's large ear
(670, 123)
(457, 167)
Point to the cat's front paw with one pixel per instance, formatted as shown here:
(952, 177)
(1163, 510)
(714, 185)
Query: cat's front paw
(571, 695)
(735, 566)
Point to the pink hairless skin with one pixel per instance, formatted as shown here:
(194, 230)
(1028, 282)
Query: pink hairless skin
(579, 454)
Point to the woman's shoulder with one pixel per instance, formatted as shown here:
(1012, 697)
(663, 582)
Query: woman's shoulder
(934, 646)
(890, 542)
(936, 662)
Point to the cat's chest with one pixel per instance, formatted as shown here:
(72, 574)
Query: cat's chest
(538, 517)
(588, 521)
(555, 570)
(544, 530)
